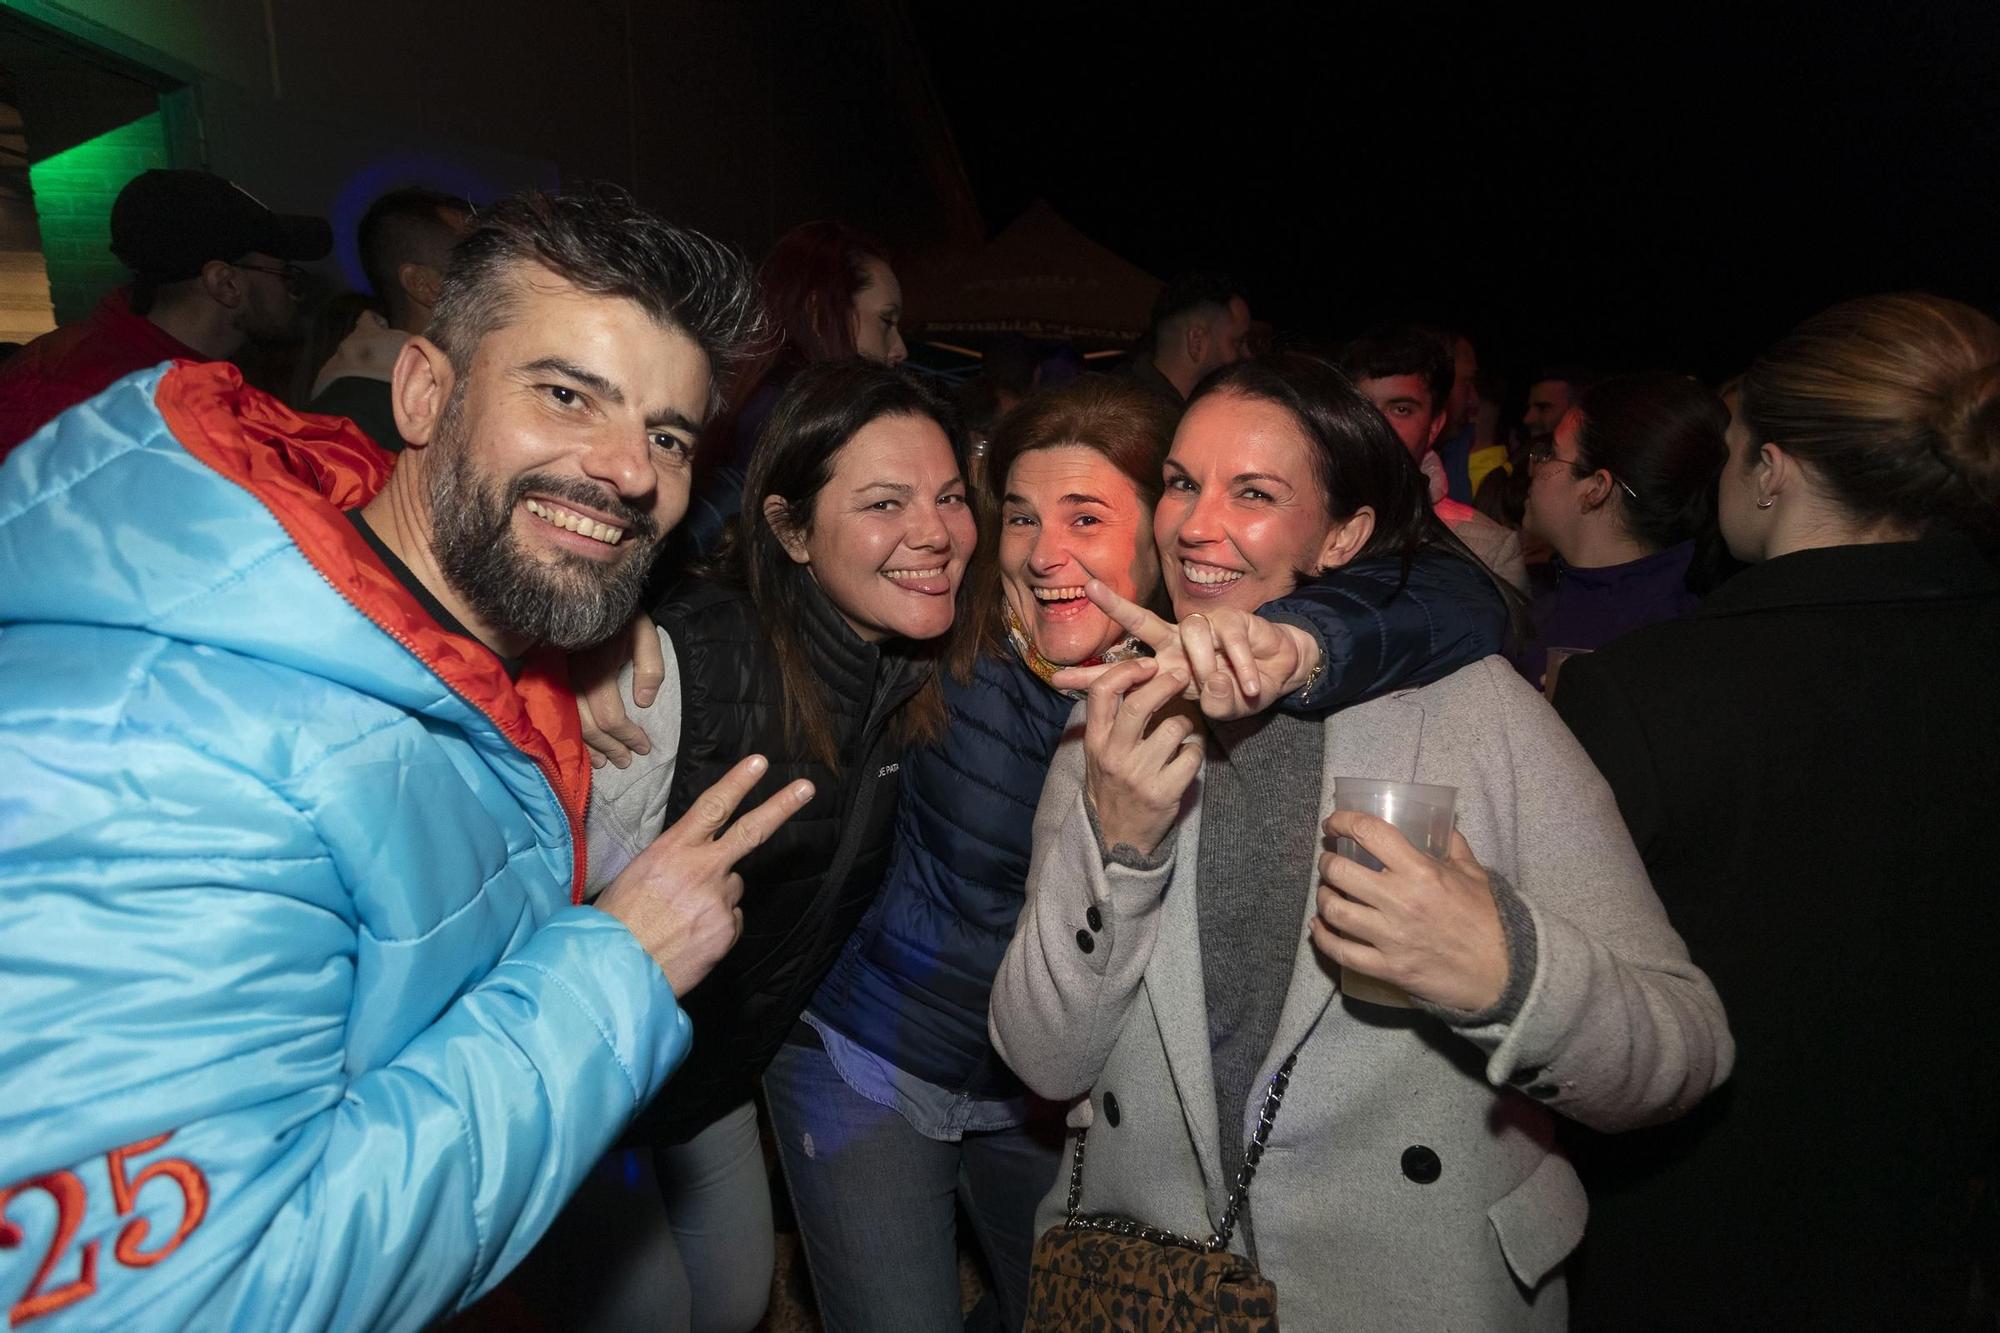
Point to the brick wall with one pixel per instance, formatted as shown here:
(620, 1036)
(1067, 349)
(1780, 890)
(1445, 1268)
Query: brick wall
(74, 191)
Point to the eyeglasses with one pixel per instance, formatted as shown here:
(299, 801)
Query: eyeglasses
(1544, 451)
(294, 276)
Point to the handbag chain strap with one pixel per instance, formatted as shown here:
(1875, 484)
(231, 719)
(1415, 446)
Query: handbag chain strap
(1218, 1240)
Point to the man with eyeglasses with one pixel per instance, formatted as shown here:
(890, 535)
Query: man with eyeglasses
(212, 269)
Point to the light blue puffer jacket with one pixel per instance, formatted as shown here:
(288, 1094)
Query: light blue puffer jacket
(299, 1025)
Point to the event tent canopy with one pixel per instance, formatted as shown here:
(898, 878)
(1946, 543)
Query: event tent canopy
(1040, 277)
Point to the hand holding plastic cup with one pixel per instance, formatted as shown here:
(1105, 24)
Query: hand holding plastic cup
(1421, 813)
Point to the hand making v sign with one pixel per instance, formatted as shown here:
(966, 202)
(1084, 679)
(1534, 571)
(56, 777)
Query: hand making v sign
(680, 895)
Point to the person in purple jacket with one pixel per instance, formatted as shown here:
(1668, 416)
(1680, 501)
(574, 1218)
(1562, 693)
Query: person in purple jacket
(1625, 493)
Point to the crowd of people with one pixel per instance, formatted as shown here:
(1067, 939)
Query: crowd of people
(617, 703)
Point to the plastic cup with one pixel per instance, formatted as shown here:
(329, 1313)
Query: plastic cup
(1421, 813)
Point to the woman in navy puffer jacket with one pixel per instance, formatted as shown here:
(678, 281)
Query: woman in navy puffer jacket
(890, 1106)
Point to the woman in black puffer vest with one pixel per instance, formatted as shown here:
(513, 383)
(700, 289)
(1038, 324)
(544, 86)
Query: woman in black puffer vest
(809, 643)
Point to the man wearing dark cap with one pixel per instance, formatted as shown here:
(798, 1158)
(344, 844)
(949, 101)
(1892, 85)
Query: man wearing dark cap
(211, 269)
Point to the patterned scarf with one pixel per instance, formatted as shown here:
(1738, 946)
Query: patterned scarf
(1032, 658)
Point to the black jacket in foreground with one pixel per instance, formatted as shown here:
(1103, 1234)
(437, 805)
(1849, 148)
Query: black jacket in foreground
(1809, 765)
(804, 889)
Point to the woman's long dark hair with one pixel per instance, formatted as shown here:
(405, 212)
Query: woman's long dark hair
(1356, 458)
(822, 409)
(1119, 420)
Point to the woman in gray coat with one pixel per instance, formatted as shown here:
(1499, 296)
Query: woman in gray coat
(1185, 934)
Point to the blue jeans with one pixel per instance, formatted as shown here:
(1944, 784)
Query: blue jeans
(877, 1201)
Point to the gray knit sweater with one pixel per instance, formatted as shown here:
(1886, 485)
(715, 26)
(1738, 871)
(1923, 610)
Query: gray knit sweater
(1260, 835)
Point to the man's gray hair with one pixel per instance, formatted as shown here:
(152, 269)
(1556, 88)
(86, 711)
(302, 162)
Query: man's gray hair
(600, 240)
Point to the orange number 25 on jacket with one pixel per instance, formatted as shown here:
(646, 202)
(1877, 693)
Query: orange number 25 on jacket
(66, 1188)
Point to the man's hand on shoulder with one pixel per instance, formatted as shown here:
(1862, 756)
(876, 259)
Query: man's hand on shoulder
(680, 896)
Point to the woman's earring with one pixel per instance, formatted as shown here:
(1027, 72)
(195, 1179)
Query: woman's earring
(1765, 504)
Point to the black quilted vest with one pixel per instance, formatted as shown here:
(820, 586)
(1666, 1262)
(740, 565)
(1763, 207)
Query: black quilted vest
(805, 889)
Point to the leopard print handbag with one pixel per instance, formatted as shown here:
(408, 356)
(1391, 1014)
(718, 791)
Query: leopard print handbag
(1100, 1273)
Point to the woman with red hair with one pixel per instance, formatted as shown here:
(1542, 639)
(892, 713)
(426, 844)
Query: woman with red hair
(829, 292)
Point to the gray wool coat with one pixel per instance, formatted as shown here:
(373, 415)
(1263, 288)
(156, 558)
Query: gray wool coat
(1412, 1180)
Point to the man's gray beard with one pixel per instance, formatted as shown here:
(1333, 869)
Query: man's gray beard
(568, 600)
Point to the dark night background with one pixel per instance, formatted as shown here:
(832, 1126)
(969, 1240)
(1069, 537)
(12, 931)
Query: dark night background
(1629, 185)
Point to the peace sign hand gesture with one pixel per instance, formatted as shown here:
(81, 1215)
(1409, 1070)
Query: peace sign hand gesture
(1237, 663)
(680, 895)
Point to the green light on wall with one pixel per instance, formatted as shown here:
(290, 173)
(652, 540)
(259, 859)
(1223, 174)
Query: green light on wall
(74, 191)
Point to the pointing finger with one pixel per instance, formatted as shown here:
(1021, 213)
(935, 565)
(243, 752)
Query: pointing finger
(1134, 619)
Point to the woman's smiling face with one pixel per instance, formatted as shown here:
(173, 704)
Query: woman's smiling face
(1069, 515)
(1242, 514)
(890, 531)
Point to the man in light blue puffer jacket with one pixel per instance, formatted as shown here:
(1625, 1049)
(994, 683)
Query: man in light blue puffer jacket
(302, 1020)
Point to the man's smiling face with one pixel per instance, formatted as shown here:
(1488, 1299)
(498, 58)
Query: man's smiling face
(563, 455)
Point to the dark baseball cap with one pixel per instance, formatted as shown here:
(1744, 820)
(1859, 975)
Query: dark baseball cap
(167, 224)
